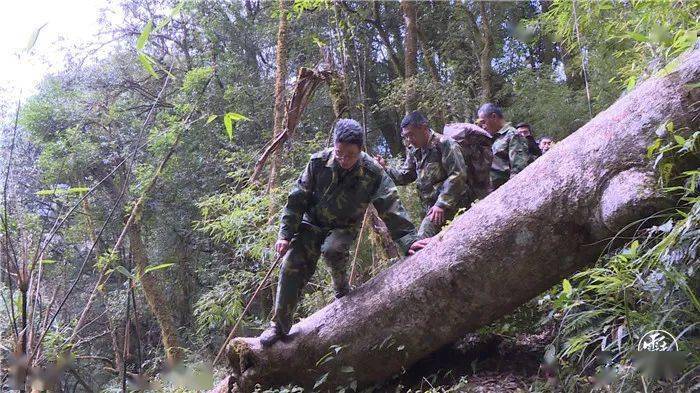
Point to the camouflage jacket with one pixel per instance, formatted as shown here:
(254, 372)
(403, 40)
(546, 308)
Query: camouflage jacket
(510, 155)
(438, 170)
(328, 196)
(533, 149)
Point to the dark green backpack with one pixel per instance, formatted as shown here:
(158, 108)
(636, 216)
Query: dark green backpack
(475, 144)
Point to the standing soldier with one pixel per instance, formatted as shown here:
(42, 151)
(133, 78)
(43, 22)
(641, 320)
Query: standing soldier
(322, 215)
(533, 147)
(436, 164)
(510, 150)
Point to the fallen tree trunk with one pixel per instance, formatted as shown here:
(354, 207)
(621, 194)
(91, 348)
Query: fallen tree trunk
(552, 219)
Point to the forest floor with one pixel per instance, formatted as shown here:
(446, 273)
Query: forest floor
(483, 362)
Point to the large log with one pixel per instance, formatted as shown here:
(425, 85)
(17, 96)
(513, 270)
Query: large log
(552, 219)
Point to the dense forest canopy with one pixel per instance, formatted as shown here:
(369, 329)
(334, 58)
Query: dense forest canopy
(133, 236)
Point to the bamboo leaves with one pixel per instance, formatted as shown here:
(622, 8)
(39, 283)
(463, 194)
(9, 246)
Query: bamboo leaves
(147, 62)
(230, 119)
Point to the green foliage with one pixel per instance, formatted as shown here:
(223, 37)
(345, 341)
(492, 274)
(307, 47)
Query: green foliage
(436, 101)
(158, 267)
(87, 118)
(63, 191)
(148, 62)
(240, 219)
(551, 107)
(52, 111)
(143, 37)
(70, 145)
(634, 33)
(224, 303)
(108, 258)
(648, 284)
(230, 118)
(196, 79)
(301, 6)
(55, 348)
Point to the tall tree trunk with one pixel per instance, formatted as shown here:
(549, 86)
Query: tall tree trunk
(384, 36)
(384, 119)
(410, 53)
(492, 259)
(486, 53)
(153, 292)
(280, 80)
(428, 56)
(186, 280)
(431, 65)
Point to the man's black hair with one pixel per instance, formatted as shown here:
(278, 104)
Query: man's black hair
(414, 118)
(524, 125)
(490, 108)
(348, 131)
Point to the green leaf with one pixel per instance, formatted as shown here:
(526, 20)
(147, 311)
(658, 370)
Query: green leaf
(121, 269)
(211, 118)
(143, 37)
(176, 10)
(229, 126)
(347, 369)
(670, 127)
(653, 147)
(164, 22)
(318, 41)
(567, 287)
(157, 267)
(62, 191)
(679, 139)
(34, 37)
(237, 116)
(229, 119)
(48, 261)
(146, 63)
(691, 86)
(638, 37)
(325, 359)
(321, 380)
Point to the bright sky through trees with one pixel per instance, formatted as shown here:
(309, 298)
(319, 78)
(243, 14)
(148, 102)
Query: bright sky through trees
(68, 22)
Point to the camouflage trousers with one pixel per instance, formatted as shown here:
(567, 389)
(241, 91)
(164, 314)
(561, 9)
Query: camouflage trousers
(300, 264)
(498, 179)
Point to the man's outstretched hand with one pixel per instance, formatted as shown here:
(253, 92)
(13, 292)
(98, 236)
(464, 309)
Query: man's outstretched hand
(281, 247)
(419, 245)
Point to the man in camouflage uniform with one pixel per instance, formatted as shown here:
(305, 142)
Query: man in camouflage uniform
(436, 164)
(510, 150)
(545, 143)
(533, 148)
(322, 215)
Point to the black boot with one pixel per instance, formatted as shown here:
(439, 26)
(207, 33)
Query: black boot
(270, 335)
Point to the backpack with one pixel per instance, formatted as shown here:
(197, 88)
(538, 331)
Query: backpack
(475, 144)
